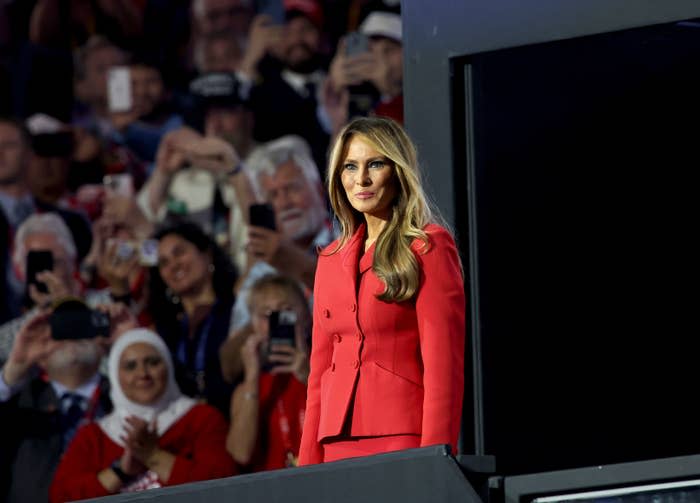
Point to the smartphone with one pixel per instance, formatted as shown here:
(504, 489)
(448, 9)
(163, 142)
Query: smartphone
(121, 184)
(356, 43)
(38, 261)
(262, 215)
(71, 318)
(281, 333)
(119, 89)
(148, 253)
(272, 8)
(282, 328)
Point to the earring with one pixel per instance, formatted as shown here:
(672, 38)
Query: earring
(211, 268)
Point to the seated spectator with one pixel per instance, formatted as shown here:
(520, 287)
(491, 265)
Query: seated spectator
(44, 232)
(286, 65)
(191, 297)
(151, 115)
(17, 202)
(40, 415)
(114, 270)
(155, 436)
(267, 407)
(284, 175)
(381, 66)
(189, 183)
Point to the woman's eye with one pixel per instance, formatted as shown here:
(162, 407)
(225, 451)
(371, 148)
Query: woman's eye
(154, 361)
(129, 366)
(376, 164)
(350, 167)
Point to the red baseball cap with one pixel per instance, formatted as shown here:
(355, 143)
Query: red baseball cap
(310, 9)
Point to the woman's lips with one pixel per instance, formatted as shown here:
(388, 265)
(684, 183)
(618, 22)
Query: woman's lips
(364, 195)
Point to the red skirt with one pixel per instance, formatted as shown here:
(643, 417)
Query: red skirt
(353, 447)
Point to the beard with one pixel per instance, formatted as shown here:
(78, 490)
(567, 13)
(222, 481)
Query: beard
(305, 63)
(299, 224)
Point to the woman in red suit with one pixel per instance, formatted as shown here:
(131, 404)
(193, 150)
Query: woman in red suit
(387, 359)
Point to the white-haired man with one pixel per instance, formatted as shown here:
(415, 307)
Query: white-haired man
(41, 232)
(284, 175)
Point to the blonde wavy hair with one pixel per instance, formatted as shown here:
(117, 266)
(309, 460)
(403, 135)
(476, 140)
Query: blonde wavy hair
(394, 262)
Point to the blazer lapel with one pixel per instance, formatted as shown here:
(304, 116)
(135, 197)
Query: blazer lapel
(350, 255)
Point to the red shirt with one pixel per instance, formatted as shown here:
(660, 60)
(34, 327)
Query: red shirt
(282, 402)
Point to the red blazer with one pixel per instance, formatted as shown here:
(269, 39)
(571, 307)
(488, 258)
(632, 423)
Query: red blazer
(400, 365)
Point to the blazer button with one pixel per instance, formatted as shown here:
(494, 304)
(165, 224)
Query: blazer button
(326, 313)
(337, 337)
(353, 307)
(356, 364)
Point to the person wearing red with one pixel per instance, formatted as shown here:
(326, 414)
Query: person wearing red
(387, 359)
(268, 406)
(154, 437)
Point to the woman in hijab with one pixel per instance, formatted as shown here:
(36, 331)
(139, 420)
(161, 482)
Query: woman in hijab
(154, 437)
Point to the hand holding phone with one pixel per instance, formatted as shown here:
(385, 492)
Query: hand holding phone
(262, 215)
(356, 43)
(282, 332)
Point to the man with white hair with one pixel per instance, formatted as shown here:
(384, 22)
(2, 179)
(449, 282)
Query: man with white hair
(284, 175)
(42, 232)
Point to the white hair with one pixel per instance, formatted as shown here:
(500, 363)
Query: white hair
(44, 223)
(265, 160)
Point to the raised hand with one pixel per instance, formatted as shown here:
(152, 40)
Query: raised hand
(33, 343)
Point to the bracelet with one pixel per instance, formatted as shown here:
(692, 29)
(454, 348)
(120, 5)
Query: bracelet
(116, 467)
(235, 170)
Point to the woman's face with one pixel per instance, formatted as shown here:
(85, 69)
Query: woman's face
(143, 373)
(182, 266)
(368, 178)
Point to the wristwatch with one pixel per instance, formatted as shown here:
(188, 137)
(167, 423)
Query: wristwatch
(116, 467)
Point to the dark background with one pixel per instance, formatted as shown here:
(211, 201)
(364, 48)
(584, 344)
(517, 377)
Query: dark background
(560, 141)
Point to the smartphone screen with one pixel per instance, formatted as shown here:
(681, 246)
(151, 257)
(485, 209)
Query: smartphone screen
(282, 325)
(119, 89)
(38, 261)
(262, 215)
(356, 43)
(121, 184)
(148, 253)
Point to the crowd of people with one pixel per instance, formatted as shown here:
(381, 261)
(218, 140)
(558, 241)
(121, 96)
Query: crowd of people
(162, 166)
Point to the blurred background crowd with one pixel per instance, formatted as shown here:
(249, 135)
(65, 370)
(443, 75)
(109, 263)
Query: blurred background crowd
(161, 180)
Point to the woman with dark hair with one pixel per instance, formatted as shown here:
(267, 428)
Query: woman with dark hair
(190, 299)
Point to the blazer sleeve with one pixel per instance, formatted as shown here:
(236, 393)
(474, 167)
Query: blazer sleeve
(310, 450)
(209, 460)
(440, 305)
(76, 474)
